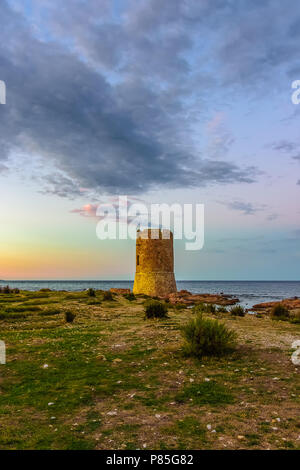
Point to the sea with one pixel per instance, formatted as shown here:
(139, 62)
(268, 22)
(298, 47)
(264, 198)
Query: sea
(249, 293)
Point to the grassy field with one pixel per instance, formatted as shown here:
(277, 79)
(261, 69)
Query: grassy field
(113, 380)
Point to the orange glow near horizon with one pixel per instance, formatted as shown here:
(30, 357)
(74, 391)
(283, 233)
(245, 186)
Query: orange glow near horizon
(58, 263)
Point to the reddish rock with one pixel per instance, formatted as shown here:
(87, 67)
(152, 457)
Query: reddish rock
(115, 290)
(186, 297)
(266, 307)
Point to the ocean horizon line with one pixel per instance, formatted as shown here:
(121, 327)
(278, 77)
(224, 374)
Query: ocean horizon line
(132, 280)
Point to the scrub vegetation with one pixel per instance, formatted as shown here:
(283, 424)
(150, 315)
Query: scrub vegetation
(112, 379)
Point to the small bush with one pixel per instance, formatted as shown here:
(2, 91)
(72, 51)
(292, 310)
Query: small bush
(204, 308)
(91, 292)
(107, 295)
(69, 316)
(155, 309)
(130, 296)
(179, 306)
(238, 311)
(279, 312)
(295, 319)
(206, 337)
(222, 309)
(5, 290)
(210, 308)
(199, 308)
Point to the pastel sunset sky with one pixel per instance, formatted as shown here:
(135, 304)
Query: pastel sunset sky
(175, 101)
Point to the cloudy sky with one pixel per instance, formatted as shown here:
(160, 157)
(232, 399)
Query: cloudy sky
(185, 101)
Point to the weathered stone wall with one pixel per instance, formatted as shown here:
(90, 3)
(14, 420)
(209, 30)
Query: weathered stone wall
(154, 263)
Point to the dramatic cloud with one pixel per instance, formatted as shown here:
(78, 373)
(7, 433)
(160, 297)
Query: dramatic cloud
(292, 149)
(246, 208)
(114, 93)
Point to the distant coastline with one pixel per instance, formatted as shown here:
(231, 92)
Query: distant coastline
(249, 292)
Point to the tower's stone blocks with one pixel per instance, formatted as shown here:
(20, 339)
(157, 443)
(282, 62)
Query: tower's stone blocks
(154, 263)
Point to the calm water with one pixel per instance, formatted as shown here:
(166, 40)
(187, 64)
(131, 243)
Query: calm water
(249, 292)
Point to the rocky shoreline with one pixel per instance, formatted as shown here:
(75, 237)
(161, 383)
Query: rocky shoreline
(187, 298)
(266, 307)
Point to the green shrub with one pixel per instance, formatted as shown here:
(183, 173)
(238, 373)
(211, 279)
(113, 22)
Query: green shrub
(295, 319)
(155, 309)
(130, 296)
(237, 311)
(107, 295)
(279, 312)
(199, 308)
(179, 306)
(207, 337)
(222, 309)
(210, 308)
(69, 316)
(5, 290)
(91, 292)
(204, 308)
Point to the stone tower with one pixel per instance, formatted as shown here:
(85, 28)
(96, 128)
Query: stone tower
(154, 263)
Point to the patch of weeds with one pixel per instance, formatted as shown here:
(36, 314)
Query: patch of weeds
(179, 306)
(265, 427)
(186, 430)
(280, 312)
(36, 295)
(288, 444)
(155, 309)
(130, 429)
(252, 439)
(23, 308)
(204, 308)
(130, 297)
(94, 302)
(152, 400)
(190, 427)
(91, 292)
(130, 445)
(222, 309)
(12, 316)
(206, 337)
(50, 311)
(107, 295)
(206, 393)
(93, 421)
(69, 316)
(237, 311)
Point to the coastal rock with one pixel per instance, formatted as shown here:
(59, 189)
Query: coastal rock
(266, 307)
(186, 297)
(115, 290)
